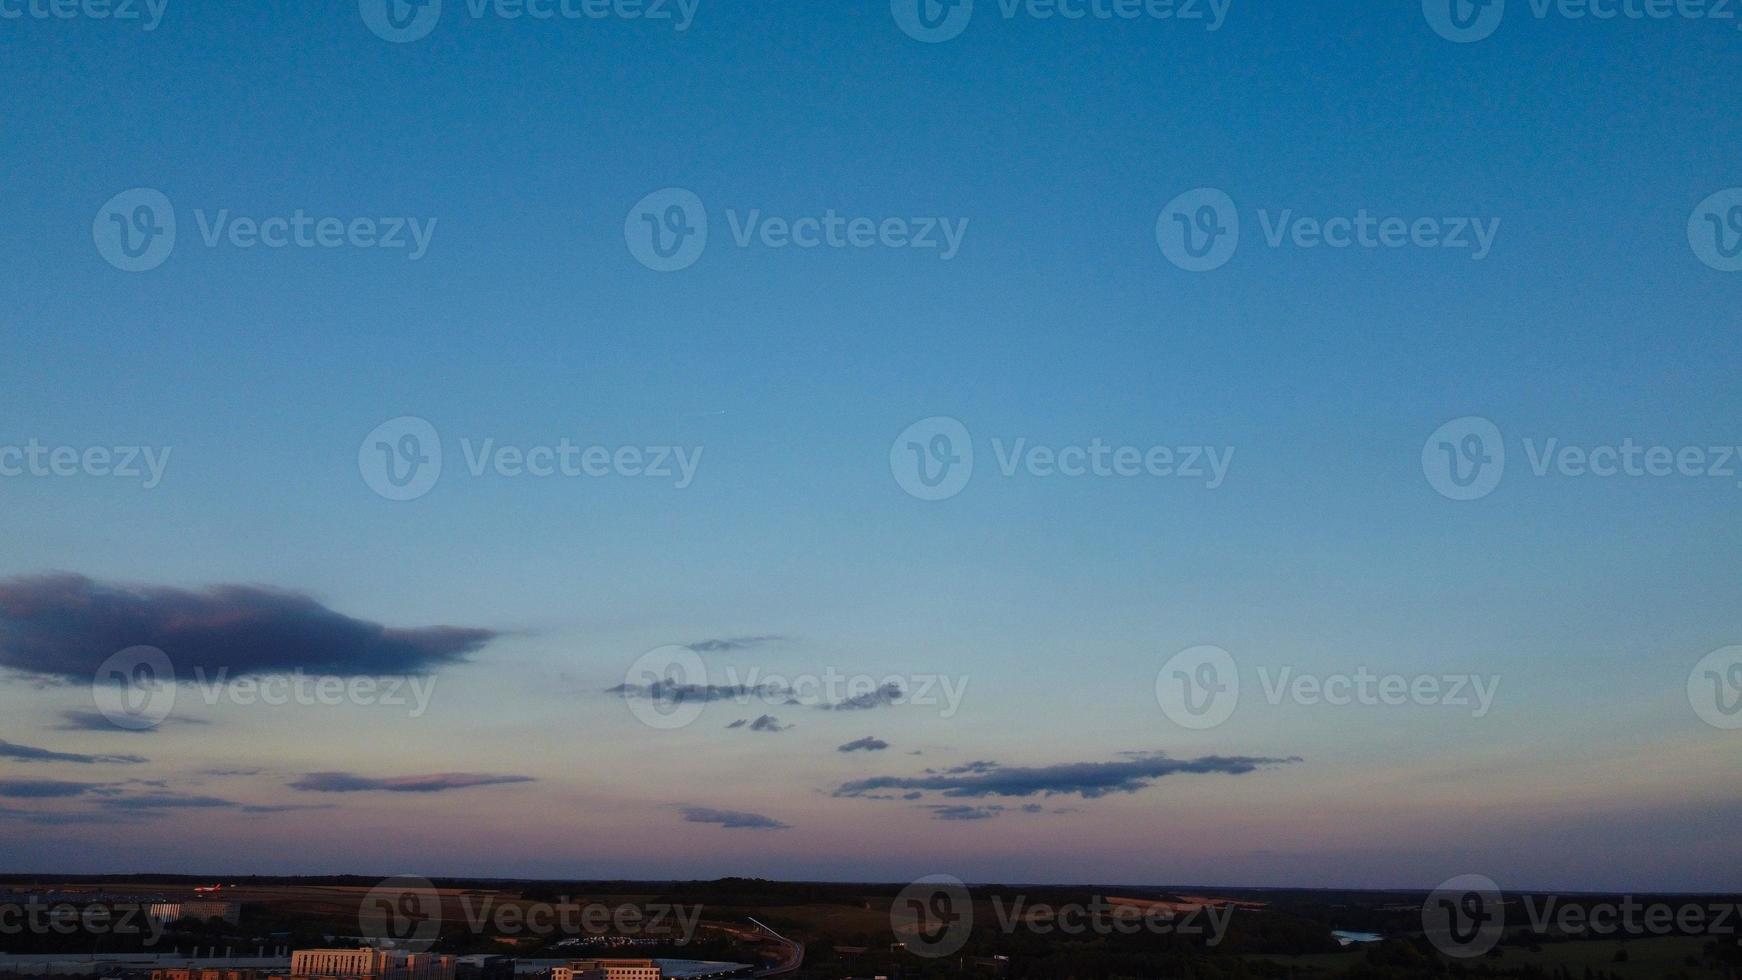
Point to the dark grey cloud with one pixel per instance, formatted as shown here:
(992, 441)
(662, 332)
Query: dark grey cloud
(960, 811)
(285, 807)
(732, 819)
(67, 625)
(1090, 780)
(681, 693)
(344, 782)
(727, 644)
(866, 744)
(764, 723)
(978, 811)
(26, 753)
(886, 695)
(86, 720)
(167, 801)
(45, 789)
(57, 818)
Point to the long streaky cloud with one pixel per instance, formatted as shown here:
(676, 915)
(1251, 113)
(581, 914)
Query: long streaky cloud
(1090, 780)
(26, 753)
(345, 782)
(86, 720)
(705, 693)
(45, 789)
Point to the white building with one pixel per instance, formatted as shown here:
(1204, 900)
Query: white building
(607, 970)
(370, 964)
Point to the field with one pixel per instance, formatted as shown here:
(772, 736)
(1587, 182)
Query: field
(1647, 959)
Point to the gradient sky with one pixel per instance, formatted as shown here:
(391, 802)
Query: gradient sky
(1061, 321)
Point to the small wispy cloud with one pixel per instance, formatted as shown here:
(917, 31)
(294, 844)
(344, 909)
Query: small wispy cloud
(884, 696)
(732, 819)
(26, 753)
(86, 720)
(982, 811)
(45, 789)
(727, 644)
(704, 693)
(167, 801)
(866, 744)
(345, 782)
(285, 807)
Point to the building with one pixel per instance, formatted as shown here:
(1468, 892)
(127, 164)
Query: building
(196, 973)
(422, 966)
(205, 909)
(339, 963)
(199, 909)
(484, 967)
(607, 970)
(370, 964)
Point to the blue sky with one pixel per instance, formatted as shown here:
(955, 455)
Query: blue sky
(1060, 321)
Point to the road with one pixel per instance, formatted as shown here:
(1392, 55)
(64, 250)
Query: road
(793, 960)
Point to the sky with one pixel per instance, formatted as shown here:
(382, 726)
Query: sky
(759, 506)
